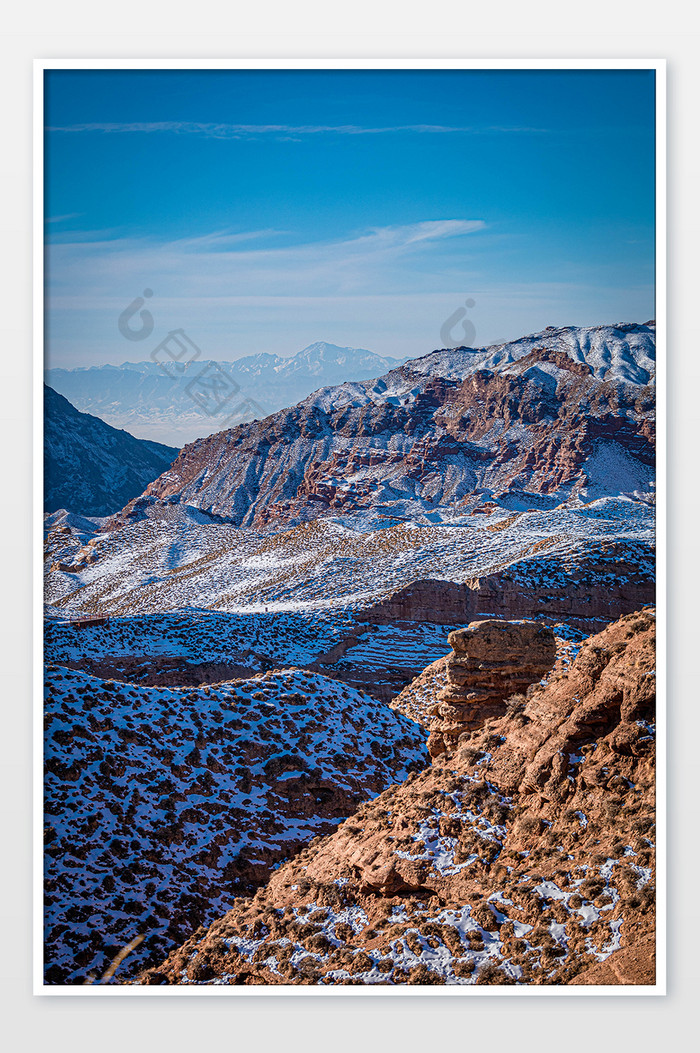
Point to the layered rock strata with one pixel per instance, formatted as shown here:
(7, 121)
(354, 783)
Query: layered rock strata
(526, 857)
(490, 661)
(558, 413)
(587, 589)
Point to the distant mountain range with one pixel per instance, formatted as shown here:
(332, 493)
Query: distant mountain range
(144, 399)
(91, 468)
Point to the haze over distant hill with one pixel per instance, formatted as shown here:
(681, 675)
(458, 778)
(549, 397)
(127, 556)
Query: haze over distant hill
(142, 398)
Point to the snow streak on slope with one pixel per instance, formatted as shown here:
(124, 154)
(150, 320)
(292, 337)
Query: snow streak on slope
(621, 354)
(555, 416)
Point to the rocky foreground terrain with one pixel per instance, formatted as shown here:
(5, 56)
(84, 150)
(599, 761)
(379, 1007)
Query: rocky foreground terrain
(523, 855)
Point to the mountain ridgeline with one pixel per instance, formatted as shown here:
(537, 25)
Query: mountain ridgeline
(565, 413)
(153, 402)
(263, 767)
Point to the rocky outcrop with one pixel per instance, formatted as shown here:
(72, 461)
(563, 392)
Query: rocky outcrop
(588, 589)
(526, 857)
(634, 965)
(419, 699)
(614, 676)
(490, 661)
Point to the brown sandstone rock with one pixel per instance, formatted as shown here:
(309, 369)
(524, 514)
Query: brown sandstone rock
(630, 965)
(490, 661)
(463, 874)
(559, 425)
(598, 587)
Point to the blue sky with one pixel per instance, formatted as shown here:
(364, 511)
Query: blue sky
(269, 209)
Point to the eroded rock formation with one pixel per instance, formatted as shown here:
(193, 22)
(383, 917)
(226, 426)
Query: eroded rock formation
(526, 857)
(587, 588)
(490, 661)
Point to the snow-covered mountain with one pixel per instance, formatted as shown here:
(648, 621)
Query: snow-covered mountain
(213, 714)
(142, 398)
(528, 486)
(91, 468)
(565, 413)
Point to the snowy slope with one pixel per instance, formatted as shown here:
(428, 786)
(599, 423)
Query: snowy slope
(164, 561)
(163, 804)
(618, 354)
(615, 353)
(556, 415)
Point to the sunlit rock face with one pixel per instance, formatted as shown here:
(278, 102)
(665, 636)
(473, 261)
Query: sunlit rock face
(490, 661)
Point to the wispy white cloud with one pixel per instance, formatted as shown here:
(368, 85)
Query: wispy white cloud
(213, 130)
(389, 288)
(220, 263)
(62, 219)
(212, 282)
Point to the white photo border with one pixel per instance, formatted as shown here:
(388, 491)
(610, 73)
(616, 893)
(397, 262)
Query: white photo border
(41, 66)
